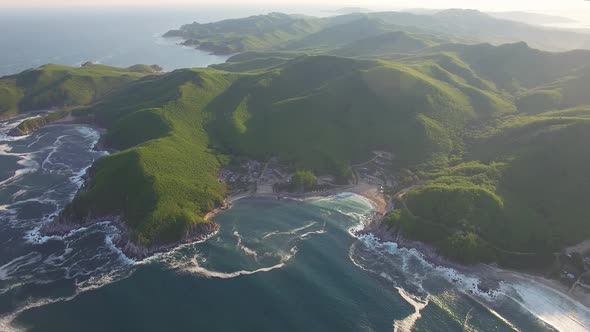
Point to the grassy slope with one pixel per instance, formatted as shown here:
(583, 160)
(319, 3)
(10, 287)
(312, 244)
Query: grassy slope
(52, 86)
(320, 112)
(165, 181)
(533, 170)
(324, 112)
(522, 182)
(387, 43)
(265, 32)
(261, 32)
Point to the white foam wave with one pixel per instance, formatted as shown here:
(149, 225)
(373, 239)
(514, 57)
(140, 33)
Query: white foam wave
(290, 232)
(8, 269)
(243, 248)
(545, 303)
(25, 160)
(55, 147)
(308, 234)
(195, 268)
(551, 306)
(465, 283)
(407, 324)
(7, 321)
(36, 140)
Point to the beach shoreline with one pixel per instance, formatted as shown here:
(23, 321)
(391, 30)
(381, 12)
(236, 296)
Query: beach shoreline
(380, 203)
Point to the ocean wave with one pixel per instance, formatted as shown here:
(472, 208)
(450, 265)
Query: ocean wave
(290, 232)
(193, 267)
(551, 306)
(19, 263)
(542, 302)
(243, 248)
(87, 256)
(407, 324)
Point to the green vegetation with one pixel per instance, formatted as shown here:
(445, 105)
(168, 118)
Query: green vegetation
(303, 181)
(35, 123)
(53, 86)
(528, 205)
(361, 34)
(262, 32)
(164, 180)
(496, 132)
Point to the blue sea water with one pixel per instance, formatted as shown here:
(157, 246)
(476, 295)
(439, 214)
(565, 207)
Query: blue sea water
(120, 38)
(287, 265)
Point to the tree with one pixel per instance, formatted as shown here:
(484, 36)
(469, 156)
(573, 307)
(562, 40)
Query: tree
(303, 181)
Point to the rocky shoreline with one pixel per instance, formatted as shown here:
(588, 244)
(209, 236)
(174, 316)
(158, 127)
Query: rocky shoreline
(62, 224)
(123, 240)
(490, 276)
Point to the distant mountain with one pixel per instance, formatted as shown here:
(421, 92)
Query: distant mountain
(351, 10)
(280, 31)
(251, 33)
(388, 43)
(531, 18)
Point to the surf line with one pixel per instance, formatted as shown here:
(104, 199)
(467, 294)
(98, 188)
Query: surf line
(199, 270)
(406, 324)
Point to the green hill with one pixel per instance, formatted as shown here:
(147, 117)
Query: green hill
(497, 132)
(517, 66)
(321, 113)
(520, 197)
(165, 178)
(387, 43)
(52, 86)
(261, 32)
(324, 112)
(337, 35)
(296, 32)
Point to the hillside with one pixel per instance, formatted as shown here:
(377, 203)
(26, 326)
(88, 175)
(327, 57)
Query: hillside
(278, 31)
(518, 197)
(53, 86)
(498, 142)
(164, 180)
(516, 66)
(347, 108)
(319, 113)
(261, 32)
(388, 43)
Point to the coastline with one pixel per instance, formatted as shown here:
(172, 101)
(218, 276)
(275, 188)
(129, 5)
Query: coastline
(60, 224)
(490, 275)
(576, 295)
(371, 193)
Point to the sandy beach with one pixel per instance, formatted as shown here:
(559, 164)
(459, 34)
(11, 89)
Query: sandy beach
(578, 294)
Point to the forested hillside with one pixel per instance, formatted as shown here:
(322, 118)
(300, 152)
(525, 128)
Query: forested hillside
(496, 133)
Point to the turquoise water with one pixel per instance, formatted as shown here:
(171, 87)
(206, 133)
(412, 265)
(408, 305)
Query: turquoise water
(275, 265)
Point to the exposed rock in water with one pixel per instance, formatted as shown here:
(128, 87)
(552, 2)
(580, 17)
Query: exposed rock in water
(130, 248)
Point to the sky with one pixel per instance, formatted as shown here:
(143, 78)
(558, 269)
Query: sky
(577, 9)
(537, 5)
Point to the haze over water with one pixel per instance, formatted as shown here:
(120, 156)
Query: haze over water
(125, 38)
(275, 265)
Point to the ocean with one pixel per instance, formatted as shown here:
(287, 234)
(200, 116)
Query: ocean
(274, 265)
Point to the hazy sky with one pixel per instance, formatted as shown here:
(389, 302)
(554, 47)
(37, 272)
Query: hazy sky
(537, 5)
(577, 9)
